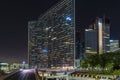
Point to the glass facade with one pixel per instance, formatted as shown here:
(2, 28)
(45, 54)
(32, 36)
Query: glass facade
(97, 36)
(114, 45)
(52, 38)
(103, 35)
(91, 41)
(106, 35)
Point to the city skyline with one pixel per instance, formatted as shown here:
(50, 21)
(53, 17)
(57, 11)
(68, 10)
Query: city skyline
(16, 14)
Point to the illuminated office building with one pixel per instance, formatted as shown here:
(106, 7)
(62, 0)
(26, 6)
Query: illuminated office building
(97, 36)
(114, 45)
(51, 38)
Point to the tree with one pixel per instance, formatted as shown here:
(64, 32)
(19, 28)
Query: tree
(109, 61)
(84, 63)
(103, 61)
(94, 60)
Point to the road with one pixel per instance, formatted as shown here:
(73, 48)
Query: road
(26, 74)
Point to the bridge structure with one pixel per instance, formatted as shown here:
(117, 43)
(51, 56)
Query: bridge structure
(72, 75)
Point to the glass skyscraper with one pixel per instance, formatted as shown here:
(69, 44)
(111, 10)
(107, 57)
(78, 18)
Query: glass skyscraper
(51, 39)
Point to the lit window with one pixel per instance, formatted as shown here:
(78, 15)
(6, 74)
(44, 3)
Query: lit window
(68, 18)
(44, 51)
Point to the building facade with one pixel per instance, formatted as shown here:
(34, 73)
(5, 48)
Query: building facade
(52, 37)
(114, 45)
(90, 41)
(4, 67)
(97, 36)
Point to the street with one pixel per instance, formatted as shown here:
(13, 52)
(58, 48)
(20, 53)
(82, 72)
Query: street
(27, 74)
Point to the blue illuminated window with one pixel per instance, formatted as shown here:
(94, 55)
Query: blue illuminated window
(68, 18)
(44, 51)
(111, 40)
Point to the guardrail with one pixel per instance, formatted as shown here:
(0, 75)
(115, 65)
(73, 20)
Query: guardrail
(89, 77)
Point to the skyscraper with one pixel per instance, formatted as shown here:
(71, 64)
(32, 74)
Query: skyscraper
(91, 41)
(97, 36)
(52, 37)
(114, 45)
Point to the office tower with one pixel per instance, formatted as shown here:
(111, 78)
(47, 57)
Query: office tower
(90, 41)
(52, 37)
(114, 45)
(97, 36)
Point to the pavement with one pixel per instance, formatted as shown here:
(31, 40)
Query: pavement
(2, 77)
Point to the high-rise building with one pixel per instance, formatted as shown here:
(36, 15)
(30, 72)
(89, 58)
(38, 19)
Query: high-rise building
(52, 37)
(97, 36)
(90, 41)
(114, 45)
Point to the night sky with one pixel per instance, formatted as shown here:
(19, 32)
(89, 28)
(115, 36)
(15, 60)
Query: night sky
(15, 14)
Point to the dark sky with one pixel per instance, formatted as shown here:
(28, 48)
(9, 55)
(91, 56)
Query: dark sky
(15, 14)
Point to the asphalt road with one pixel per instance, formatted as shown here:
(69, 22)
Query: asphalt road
(27, 74)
